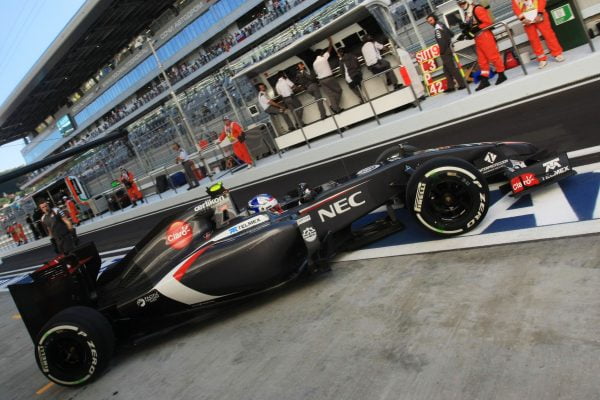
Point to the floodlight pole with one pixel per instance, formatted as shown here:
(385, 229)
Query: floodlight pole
(186, 124)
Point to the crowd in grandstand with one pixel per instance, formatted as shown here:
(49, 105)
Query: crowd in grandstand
(203, 105)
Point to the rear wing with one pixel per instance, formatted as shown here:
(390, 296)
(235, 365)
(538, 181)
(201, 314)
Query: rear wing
(63, 282)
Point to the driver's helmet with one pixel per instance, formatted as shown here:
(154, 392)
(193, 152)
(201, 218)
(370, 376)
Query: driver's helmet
(264, 202)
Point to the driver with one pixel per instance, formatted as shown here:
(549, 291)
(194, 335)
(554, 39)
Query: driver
(264, 202)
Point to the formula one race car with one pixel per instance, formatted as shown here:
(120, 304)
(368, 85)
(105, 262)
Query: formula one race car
(214, 253)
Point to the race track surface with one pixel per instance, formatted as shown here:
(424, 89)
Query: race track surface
(516, 321)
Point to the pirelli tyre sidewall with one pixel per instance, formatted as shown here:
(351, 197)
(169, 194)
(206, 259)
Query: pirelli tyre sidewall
(448, 196)
(75, 346)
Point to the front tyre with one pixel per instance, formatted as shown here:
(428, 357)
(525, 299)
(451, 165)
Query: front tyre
(448, 196)
(75, 346)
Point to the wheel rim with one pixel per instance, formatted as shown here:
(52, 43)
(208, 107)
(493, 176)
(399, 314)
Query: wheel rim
(450, 198)
(68, 354)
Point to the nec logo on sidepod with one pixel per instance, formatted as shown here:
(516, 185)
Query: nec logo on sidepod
(341, 206)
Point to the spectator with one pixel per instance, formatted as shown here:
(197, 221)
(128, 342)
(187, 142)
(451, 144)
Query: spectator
(331, 87)
(443, 37)
(477, 18)
(285, 88)
(351, 71)
(272, 107)
(188, 165)
(235, 135)
(535, 18)
(376, 64)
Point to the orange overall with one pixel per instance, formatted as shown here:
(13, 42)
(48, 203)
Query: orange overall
(73, 212)
(523, 9)
(232, 132)
(485, 42)
(133, 191)
(21, 233)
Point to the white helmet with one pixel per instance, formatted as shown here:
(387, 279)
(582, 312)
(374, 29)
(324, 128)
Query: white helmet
(264, 202)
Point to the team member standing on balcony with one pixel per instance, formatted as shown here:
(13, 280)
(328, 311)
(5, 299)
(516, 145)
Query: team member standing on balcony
(332, 89)
(477, 18)
(272, 107)
(235, 134)
(533, 15)
(352, 72)
(376, 64)
(285, 88)
(310, 83)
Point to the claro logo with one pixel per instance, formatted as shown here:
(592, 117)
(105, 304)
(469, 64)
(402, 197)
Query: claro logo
(179, 235)
(341, 206)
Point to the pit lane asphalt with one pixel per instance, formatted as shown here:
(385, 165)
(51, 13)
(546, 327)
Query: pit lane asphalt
(565, 121)
(518, 321)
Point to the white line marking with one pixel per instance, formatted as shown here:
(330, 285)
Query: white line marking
(469, 242)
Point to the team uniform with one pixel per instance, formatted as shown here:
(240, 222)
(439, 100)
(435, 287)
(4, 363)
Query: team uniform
(232, 133)
(443, 37)
(73, 212)
(133, 191)
(478, 18)
(530, 10)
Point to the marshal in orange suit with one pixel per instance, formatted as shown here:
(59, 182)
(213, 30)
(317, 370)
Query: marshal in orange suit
(535, 18)
(232, 132)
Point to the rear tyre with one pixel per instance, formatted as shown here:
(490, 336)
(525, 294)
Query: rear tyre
(75, 346)
(448, 196)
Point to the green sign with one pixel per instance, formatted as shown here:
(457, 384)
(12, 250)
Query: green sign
(562, 14)
(115, 184)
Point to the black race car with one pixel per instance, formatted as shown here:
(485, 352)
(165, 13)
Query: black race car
(214, 253)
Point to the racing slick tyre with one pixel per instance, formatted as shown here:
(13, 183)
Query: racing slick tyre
(448, 196)
(75, 346)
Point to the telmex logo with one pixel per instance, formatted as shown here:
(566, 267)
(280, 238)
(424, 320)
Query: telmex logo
(552, 164)
(341, 206)
(248, 224)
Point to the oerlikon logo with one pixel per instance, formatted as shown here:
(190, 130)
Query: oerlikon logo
(179, 235)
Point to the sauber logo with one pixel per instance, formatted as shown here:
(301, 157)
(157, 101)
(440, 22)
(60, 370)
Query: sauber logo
(552, 164)
(419, 198)
(309, 234)
(341, 206)
(490, 157)
(179, 235)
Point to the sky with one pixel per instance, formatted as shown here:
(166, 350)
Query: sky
(27, 28)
